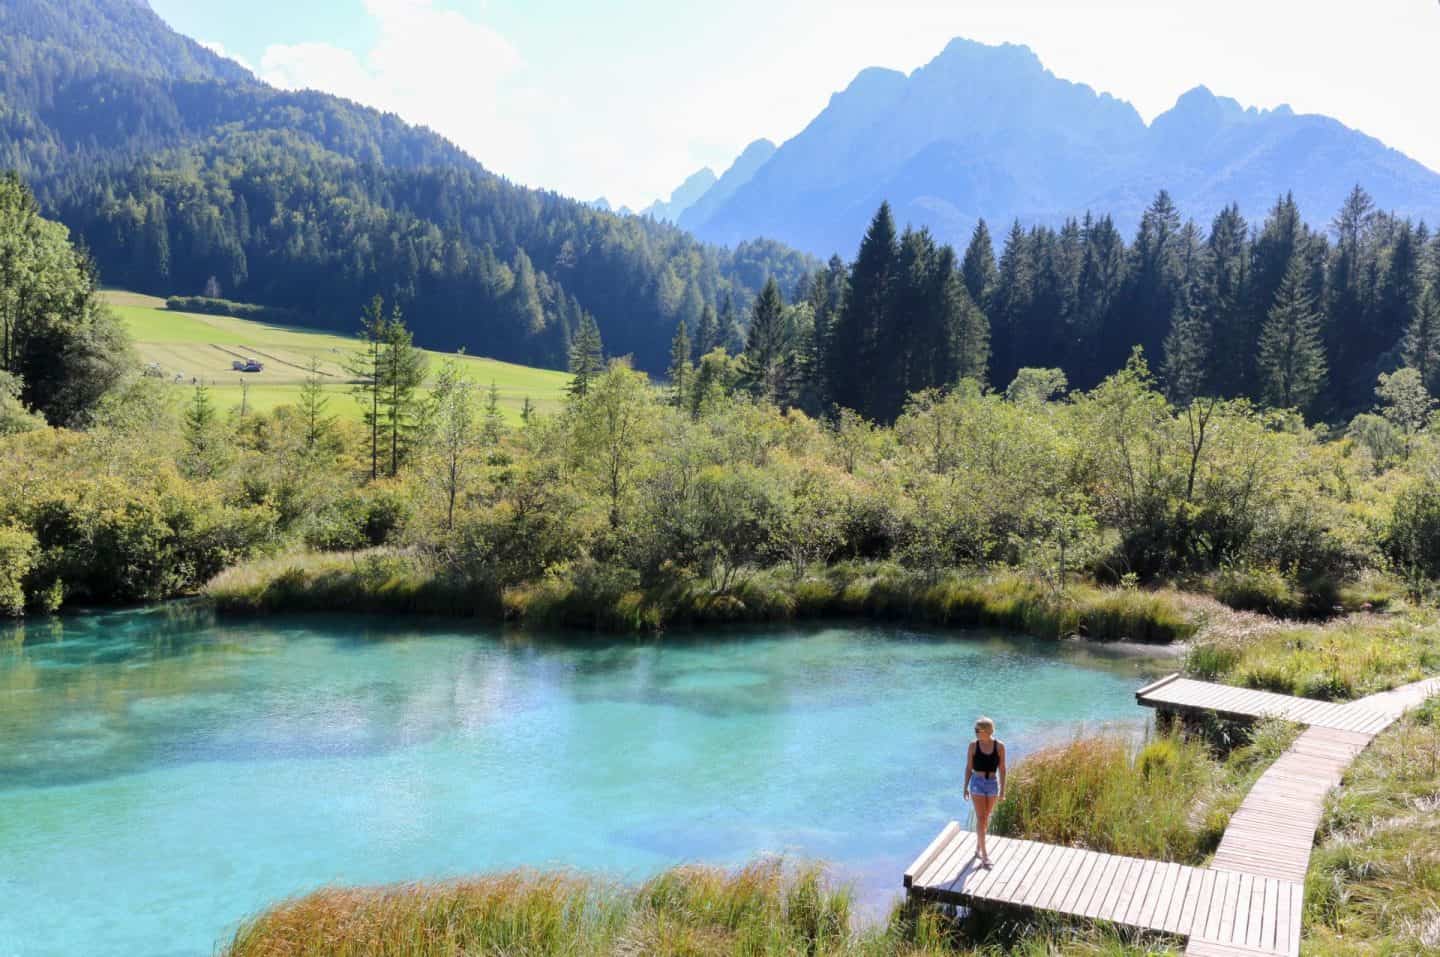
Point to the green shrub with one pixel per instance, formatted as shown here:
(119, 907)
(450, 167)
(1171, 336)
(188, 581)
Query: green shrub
(1265, 590)
(18, 551)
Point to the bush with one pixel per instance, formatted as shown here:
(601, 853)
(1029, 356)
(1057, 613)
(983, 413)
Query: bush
(18, 550)
(1265, 590)
(207, 306)
(366, 518)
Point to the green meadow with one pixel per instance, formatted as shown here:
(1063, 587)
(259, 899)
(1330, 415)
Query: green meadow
(188, 347)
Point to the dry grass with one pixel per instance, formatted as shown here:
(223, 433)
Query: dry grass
(767, 909)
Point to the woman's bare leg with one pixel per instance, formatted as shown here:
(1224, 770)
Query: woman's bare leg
(983, 806)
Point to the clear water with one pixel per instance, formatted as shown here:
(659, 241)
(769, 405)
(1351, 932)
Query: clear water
(162, 775)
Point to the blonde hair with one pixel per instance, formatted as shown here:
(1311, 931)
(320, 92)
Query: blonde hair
(984, 722)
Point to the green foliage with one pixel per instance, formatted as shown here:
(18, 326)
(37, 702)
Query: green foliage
(58, 342)
(239, 310)
(587, 357)
(18, 550)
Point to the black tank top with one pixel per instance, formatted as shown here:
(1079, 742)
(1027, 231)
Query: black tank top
(987, 763)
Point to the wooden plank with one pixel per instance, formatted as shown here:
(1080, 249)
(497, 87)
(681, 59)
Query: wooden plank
(949, 864)
(1282, 919)
(1035, 875)
(1002, 854)
(1131, 913)
(1068, 860)
(1125, 877)
(1257, 912)
(1196, 902)
(1183, 886)
(1010, 880)
(1237, 908)
(1219, 905)
(1154, 915)
(948, 832)
(1297, 916)
(1267, 920)
(1070, 894)
(1204, 904)
(1090, 902)
(1155, 685)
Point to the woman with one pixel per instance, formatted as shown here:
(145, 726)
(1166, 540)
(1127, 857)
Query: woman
(984, 780)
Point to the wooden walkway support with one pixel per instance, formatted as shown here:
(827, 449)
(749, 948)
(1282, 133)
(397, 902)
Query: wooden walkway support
(1249, 900)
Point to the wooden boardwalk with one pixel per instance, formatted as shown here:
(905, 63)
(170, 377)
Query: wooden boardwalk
(1186, 696)
(1249, 900)
(1228, 907)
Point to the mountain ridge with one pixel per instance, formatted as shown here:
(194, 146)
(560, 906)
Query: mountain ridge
(988, 131)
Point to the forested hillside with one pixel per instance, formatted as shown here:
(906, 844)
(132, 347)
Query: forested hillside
(176, 168)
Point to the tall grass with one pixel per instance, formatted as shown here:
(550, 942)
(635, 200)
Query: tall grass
(1167, 798)
(1338, 661)
(393, 582)
(1374, 880)
(766, 909)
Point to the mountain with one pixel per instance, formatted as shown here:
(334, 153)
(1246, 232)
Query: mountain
(685, 195)
(987, 131)
(754, 156)
(179, 170)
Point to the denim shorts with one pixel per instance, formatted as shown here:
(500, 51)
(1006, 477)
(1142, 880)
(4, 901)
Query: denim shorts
(984, 787)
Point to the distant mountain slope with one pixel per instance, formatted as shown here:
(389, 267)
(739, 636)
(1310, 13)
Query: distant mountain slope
(988, 131)
(685, 195)
(177, 167)
(754, 156)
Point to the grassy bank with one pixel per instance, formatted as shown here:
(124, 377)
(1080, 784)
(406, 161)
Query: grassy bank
(1338, 661)
(762, 910)
(1374, 880)
(1169, 798)
(393, 582)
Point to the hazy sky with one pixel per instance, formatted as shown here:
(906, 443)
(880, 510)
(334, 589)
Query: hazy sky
(625, 99)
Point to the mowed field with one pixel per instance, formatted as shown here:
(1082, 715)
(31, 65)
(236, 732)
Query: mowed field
(189, 347)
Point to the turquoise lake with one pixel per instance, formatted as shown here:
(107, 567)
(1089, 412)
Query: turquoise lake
(163, 775)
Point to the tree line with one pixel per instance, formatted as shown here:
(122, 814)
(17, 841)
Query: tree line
(1280, 313)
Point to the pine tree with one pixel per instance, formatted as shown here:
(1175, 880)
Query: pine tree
(1224, 300)
(1350, 300)
(527, 411)
(1011, 303)
(402, 371)
(313, 403)
(201, 430)
(493, 429)
(1153, 279)
(764, 365)
(709, 334)
(1422, 340)
(851, 361)
(1188, 353)
(587, 357)
(1098, 291)
(1292, 358)
(364, 367)
(680, 367)
(978, 266)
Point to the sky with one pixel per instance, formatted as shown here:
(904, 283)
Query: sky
(626, 99)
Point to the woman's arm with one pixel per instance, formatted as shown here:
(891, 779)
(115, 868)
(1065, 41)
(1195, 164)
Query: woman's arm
(969, 767)
(1003, 772)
